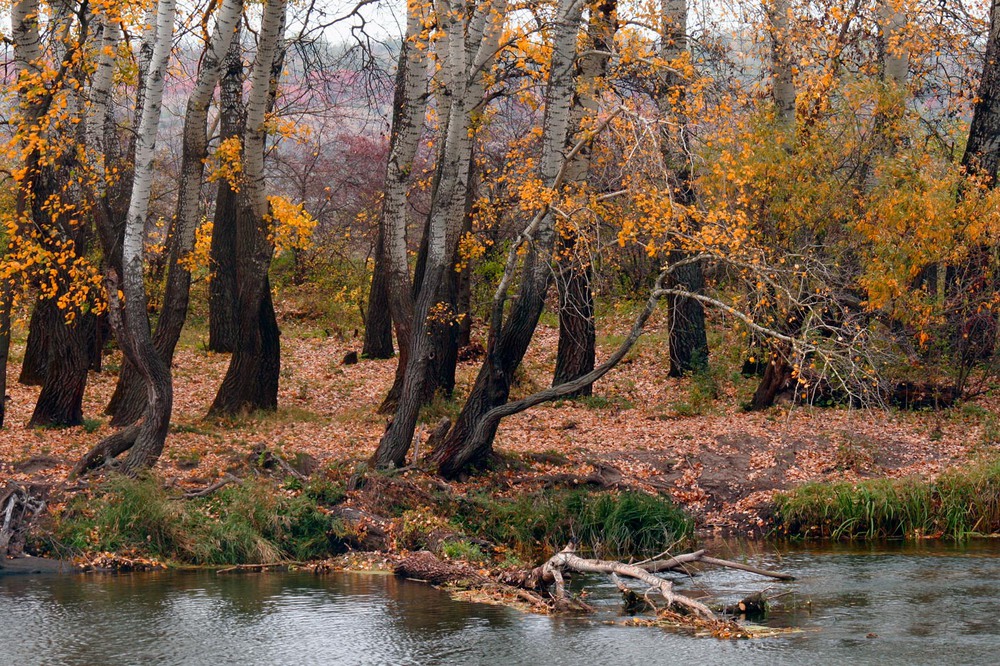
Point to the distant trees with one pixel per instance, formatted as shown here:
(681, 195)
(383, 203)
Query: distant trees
(815, 187)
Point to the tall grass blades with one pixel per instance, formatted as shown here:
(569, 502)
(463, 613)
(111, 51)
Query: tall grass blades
(960, 503)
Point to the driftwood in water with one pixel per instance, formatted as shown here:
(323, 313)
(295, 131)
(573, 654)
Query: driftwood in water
(678, 562)
(752, 606)
(18, 507)
(425, 566)
(548, 580)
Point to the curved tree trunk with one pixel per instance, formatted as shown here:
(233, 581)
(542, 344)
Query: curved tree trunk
(129, 399)
(251, 382)
(509, 338)
(130, 320)
(470, 38)
(222, 254)
(409, 104)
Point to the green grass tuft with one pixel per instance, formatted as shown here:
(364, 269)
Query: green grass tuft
(606, 524)
(960, 503)
(240, 524)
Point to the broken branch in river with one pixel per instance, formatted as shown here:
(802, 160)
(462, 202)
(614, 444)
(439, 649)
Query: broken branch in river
(546, 583)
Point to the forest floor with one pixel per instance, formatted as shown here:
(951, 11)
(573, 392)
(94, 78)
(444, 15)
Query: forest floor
(688, 439)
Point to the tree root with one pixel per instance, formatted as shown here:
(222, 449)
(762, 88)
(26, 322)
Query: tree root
(208, 490)
(18, 507)
(104, 453)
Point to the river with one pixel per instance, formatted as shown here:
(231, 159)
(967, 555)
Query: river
(916, 604)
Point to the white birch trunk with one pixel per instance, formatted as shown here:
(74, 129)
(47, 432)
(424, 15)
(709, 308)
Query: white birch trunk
(100, 95)
(408, 125)
(271, 29)
(133, 331)
(196, 123)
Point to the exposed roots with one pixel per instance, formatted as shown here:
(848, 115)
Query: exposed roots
(105, 452)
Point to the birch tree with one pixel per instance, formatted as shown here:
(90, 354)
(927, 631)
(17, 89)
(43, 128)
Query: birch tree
(129, 314)
(470, 36)
(251, 381)
(409, 105)
(128, 402)
(576, 351)
(511, 334)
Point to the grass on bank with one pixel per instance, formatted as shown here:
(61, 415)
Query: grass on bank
(248, 523)
(626, 524)
(958, 504)
(267, 520)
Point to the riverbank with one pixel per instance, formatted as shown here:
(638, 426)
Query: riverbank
(687, 442)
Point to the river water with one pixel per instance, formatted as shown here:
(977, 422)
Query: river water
(924, 604)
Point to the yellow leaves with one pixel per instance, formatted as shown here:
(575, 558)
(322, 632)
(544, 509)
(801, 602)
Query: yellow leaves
(291, 225)
(227, 163)
(470, 249)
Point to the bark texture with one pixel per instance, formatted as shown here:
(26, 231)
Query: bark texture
(470, 35)
(251, 382)
(982, 152)
(130, 320)
(470, 441)
(576, 350)
(129, 401)
(222, 254)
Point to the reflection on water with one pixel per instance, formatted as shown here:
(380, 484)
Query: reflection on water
(925, 603)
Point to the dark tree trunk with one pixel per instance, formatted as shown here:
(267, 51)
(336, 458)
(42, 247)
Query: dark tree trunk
(982, 152)
(688, 342)
(439, 370)
(378, 322)
(128, 403)
(492, 387)
(36, 352)
(251, 381)
(60, 402)
(392, 448)
(222, 287)
(577, 335)
(6, 297)
(102, 333)
(469, 444)
(777, 377)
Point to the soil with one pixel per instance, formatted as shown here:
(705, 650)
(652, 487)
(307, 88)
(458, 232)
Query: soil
(722, 463)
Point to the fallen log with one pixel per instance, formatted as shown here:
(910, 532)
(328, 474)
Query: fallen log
(425, 566)
(545, 585)
(567, 560)
(656, 566)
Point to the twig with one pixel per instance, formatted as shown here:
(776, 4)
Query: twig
(208, 490)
